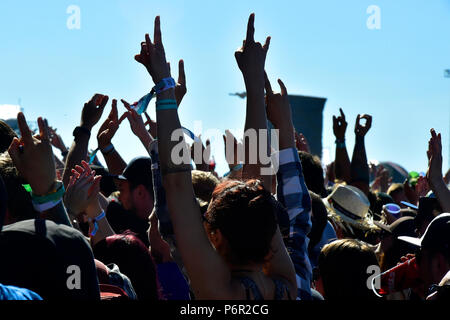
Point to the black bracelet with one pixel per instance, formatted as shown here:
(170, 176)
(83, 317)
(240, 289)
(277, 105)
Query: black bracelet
(79, 130)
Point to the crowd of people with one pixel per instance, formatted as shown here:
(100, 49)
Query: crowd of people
(161, 229)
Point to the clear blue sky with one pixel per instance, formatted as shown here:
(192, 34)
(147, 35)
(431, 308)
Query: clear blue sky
(318, 48)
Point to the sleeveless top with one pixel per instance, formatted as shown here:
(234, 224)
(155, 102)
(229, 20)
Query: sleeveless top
(250, 285)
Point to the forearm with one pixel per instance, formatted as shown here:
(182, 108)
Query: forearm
(255, 121)
(77, 153)
(103, 229)
(442, 193)
(342, 163)
(359, 165)
(57, 214)
(114, 162)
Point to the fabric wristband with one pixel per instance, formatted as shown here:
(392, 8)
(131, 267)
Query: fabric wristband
(53, 196)
(41, 207)
(166, 104)
(235, 168)
(340, 144)
(108, 149)
(95, 220)
(164, 84)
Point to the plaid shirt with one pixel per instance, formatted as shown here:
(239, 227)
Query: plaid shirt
(293, 194)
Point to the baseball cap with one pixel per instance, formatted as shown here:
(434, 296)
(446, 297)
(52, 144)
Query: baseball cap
(138, 171)
(436, 236)
(402, 226)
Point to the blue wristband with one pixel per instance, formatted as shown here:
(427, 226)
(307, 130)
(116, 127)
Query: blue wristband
(98, 218)
(166, 104)
(164, 84)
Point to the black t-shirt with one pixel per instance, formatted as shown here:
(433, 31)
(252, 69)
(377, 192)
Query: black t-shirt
(48, 259)
(122, 220)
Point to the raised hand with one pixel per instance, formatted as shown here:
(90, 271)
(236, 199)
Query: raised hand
(137, 124)
(278, 106)
(361, 130)
(339, 126)
(93, 110)
(230, 142)
(251, 57)
(434, 154)
(33, 156)
(82, 190)
(382, 179)
(56, 140)
(152, 55)
(301, 142)
(109, 128)
(180, 87)
(200, 162)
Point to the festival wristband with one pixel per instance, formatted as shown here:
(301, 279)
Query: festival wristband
(108, 149)
(95, 222)
(166, 104)
(235, 168)
(340, 144)
(164, 84)
(53, 196)
(41, 207)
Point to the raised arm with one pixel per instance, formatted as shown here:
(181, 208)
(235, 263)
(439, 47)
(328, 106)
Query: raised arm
(342, 161)
(107, 130)
(91, 114)
(33, 158)
(434, 173)
(251, 58)
(210, 279)
(82, 196)
(292, 193)
(360, 166)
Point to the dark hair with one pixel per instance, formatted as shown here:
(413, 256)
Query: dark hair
(19, 202)
(133, 259)
(318, 219)
(245, 214)
(313, 173)
(343, 268)
(7, 134)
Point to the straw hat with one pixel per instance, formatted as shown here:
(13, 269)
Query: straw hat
(349, 207)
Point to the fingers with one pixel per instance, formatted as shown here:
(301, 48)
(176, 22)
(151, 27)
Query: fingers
(43, 129)
(148, 44)
(149, 120)
(157, 37)
(267, 85)
(267, 44)
(24, 129)
(113, 114)
(283, 88)
(250, 29)
(181, 74)
(103, 102)
(14, 151)
(126, 105)
(342, 114)
(123, 117)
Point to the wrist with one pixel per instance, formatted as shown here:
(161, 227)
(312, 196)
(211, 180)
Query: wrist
(50, 188)
(167, 94)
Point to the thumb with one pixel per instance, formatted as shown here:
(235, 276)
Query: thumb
(14, 152)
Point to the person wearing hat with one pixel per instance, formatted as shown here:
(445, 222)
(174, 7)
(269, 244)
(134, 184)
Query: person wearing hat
(390, 249)
(433, 252)
(348, 209)
(136, 197)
